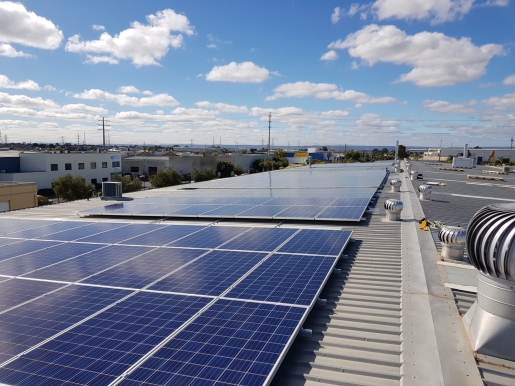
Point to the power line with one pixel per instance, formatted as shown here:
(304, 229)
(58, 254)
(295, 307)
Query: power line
(103, 129)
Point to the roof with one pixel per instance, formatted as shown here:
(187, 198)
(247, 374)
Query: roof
(392, 313)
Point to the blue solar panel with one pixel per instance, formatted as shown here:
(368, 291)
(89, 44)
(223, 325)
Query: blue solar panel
(211, 237)
(88, 264)
(31, 323)
(260, 239)
(163, 236)
(116, 235)
(224, 201)
(317, 242)
(341, 213)
(103, 347)
(211, 274)
(163, 210)
(48, 229)
(77, 233)
(4, 241)
(262, 211)
(20, 225)
(232, 343)
(27, 246)
(195, 210)
(253, 200)
(226, 211)
(291, 279)
(282, 201)
(17, 291)
(351, 201)
(35, 260)
(143, 270)
(301, 212)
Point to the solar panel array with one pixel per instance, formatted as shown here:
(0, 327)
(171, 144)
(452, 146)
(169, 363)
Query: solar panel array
(132, 304)
(328, 194)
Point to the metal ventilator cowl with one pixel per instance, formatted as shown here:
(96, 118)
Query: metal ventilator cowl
(453, 241)
(396, 185)
(425, 192)
(393, 209)
(414, 174)
(491, 249)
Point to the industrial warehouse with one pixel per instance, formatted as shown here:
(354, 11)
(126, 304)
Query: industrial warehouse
(288, 277)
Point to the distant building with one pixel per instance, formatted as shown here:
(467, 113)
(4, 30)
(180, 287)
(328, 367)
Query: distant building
(299, 157)
(17, 195)
(44, 167)
(479, 155)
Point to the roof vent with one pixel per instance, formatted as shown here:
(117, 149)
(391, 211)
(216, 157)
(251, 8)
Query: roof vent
(393, 209)
(425, 192)
(111, 190)
(453, 242)
(414, 174)
(408, 167)
(396, 185)
(491, 248)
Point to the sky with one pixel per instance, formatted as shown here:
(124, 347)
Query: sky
(424, 72)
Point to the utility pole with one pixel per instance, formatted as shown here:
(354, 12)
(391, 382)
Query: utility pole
(103, 124)
(511, 146)
(78, 139)
(269, 127)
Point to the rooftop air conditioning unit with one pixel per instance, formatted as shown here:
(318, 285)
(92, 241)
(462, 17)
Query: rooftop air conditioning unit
(111, 190)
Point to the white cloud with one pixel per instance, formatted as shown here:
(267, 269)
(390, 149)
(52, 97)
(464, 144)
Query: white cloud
(334, 114)
(49, 88)
(91, 59)
(147, 92)
(223, 107)
(438, 60)
(5, 82)
(323, 91)
(329, 55)
(82, 109)
(358, 105)
(211, 45)
(335, 16)
(123, 99)
(443, 107)
(507, 100)
(509, 81)
(97, 27)
(438, 11)
(128, 90)
(10, 52)
(25, 101)
(143, 44)
(20, 26)
(487, 85)
(245, 72)
(375, 123)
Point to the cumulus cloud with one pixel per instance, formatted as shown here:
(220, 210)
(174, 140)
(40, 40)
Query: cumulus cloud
(26, 101)
(438, 11)
(123, 99)
(97, 27)
(507, 100)
(20, 26)
(128, 90)
(245, 72)
(222, 107)
(323, 91)
(329, 55)
(376, 123)
(5, 82)
(335, 16)
(143, 44)
(438, 60)
(509, 81)
(443, 107)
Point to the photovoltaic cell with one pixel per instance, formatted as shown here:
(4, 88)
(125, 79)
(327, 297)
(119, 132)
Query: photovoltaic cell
(195, 210)
(17, 291)
(210, 237)
(35, 260)
(260, 239)
(26, 246)
(232, 343)
(306, 212)
(102, 348)
(47, 229)
(143, 270)
(291, 279)
(20, 225)
(116, 235)
(317, 242)
(4, 241)
(211, 274)
(226, 211)
(341, 212)
(262, 211)
(77, 233)
(89, 264)
(351, 202)
(31, 323)
(163, 236)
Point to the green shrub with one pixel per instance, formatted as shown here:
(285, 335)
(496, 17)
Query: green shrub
(203, 174)
(42, 200)
(165, 177)
(251, 171)
(224, 168)
(129, 184)
(238, 170)
(72, 188)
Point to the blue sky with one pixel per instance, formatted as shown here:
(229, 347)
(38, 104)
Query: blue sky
(331, 72)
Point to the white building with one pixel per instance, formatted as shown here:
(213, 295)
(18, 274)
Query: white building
(44, 167)
(480, 156)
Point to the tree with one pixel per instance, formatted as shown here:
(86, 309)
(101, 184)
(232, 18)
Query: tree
(72, 188)
(280, 159)
(402, 152)
(202, 153)
(243, 151)
(224, 168)
(203, 174)
(324, 148)
(224, 150)
(129, 184)
(165, 177)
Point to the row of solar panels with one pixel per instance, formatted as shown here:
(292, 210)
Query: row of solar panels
(139, 314)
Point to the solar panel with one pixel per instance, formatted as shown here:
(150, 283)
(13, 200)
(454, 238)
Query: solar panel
(47, 229)
(211, 275)
(210, 237)
(16, 291)
(231, 343)
(262, 211)
(260, 239)
(300, 212)
(317, 242)
(103, 347)
(163, 236)
(4, 241)
(337, 213)
(13, 250)
(77, 233)
(290, 279)
(116, 235)
(195, 210)
(226, 211)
